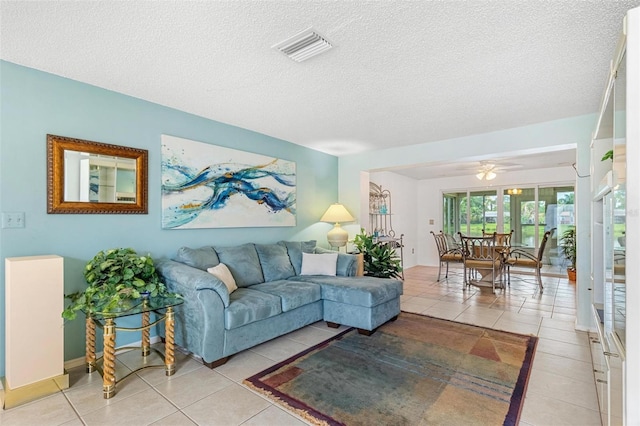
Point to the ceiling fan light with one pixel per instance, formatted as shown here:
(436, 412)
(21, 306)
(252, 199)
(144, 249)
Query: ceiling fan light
(480, 175)
(490, 176)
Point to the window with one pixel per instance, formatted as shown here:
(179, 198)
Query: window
(470, 213)
(450, 225)
(529, 212)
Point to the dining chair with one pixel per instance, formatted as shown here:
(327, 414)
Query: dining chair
(502, 239)
(521, 258)
(480, 255)
(448, 251)
(503, 246)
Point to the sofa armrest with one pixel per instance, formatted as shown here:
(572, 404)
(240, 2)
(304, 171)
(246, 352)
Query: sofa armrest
(347, 265)
(182, 278)
(199, 325)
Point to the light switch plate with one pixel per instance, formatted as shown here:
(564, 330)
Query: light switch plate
(13, 219)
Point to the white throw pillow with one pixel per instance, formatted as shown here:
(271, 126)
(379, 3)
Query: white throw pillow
(221, 272)
(319, 264)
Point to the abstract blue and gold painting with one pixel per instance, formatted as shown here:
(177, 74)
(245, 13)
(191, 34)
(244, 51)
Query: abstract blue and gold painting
(210, 186)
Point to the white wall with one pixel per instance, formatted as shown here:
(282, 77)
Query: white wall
(536, 138)
(415, 202)
(403, 209)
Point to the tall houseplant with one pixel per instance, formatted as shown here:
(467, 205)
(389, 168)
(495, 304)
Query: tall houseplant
(568, 243)
(380, 259)
(114, 278)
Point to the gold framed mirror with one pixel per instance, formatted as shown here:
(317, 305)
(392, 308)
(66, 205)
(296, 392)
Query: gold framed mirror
(85, 177)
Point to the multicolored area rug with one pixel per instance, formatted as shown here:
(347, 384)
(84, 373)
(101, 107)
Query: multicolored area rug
(416, 370)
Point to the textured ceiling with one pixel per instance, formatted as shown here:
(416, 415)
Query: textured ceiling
(401, 72)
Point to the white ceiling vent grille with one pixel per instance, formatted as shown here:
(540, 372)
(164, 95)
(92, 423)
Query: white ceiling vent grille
(304, 45)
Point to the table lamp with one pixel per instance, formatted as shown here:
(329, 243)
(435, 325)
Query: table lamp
(337, 213)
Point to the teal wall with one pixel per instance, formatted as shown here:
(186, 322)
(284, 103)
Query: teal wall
(34, 104)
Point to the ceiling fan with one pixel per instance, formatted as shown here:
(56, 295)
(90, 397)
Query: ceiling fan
(487, 172)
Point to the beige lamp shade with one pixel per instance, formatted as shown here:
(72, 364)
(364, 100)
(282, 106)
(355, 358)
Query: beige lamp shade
(337, 213)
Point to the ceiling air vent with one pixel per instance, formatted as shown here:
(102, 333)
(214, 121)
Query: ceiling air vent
(304, 45)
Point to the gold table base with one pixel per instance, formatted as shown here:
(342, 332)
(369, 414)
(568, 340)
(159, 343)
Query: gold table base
(108, 370)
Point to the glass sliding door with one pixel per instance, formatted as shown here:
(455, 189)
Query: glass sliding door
(454, 213)
(529, 212)
(470, 212)
(564, 219)
(526, 211)
(450, 217)
(483, 212)
(520, 214)
(507, 198)
(565, 215)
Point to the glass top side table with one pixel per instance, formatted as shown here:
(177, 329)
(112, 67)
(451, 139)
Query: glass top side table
(161, 306)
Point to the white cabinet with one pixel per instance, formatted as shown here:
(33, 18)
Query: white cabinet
(608, 375)
(615, 185)
(34, 335)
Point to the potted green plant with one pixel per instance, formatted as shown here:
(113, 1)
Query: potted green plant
(568, 243)
(380, 259)
(115, 278)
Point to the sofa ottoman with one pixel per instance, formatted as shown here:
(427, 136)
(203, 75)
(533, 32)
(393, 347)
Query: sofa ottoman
(361, 302)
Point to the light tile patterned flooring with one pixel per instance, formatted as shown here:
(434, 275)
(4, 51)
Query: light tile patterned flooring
(561, 388)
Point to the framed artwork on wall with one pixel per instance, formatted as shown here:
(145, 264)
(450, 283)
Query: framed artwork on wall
(210, 186)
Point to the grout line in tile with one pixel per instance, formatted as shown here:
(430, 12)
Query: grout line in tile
(446, 291)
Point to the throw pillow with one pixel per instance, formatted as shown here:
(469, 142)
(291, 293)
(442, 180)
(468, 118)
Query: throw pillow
(221, 272)
(243, 262)
(275, 262)
(202, 258)
(319, 264)
(295, 250)
(347, 263)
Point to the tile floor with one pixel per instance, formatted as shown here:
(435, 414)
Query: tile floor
(561, 388)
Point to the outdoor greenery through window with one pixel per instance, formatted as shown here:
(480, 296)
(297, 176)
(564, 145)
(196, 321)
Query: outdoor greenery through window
(529, 212)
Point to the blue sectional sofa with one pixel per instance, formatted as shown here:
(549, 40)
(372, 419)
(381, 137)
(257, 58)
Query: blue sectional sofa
(275, 295)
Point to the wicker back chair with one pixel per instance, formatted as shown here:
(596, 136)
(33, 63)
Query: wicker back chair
(448, 251)
(480, 255)
(524, 259)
